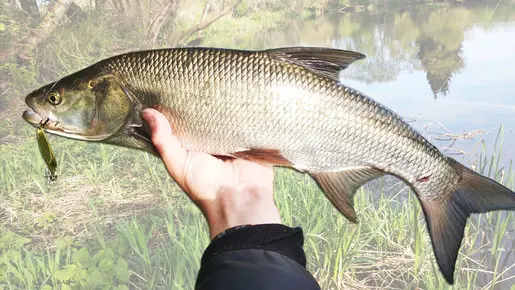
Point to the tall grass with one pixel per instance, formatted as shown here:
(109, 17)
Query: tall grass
(126, 225)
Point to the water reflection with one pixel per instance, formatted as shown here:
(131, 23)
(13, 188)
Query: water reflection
(462, 57)
(428, 39)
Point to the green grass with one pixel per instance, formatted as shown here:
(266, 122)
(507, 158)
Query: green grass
(114, 219)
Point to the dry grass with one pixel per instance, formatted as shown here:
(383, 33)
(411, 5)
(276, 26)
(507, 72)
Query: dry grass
(452, 138)
(101, 186)
(73, 208)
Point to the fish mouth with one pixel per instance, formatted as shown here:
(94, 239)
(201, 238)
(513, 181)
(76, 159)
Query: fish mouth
(46, 123)
(32, 117)
(54, 127)
(36, 120)
(49, 125)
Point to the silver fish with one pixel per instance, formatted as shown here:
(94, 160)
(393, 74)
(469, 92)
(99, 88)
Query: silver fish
(279, 106)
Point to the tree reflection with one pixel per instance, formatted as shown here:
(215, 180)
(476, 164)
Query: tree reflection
(440, 45)
(439, 63)
(425, 38)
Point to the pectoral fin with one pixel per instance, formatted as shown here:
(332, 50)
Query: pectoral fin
(340, 187)
(265, 156)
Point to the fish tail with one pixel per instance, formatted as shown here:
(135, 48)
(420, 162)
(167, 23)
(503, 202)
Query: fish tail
(446, 219)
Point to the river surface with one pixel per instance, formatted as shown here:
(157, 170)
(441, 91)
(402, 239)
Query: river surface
(449, 71)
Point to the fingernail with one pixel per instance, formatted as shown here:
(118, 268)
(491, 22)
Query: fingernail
(151, 120)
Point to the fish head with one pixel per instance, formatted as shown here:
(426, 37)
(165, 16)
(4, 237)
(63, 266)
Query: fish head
(82, 107)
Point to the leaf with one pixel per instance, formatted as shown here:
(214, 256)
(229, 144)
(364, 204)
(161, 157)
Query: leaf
(106, 265)
(123, 275)
(98, 256)
(67, 273)
(109, 254)
(122, 271)
(65, 287)
(2, 26)
(61, 244)
(12, 240)
(122, 264)
(46, 287)
(95, 279)
(83, 258)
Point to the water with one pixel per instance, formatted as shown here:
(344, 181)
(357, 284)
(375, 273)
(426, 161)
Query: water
(480, 96)
(447, 70)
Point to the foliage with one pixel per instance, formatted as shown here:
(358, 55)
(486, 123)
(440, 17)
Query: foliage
(389, 248)
(67, 267)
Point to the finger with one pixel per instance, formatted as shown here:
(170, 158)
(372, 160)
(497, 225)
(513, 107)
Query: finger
(166, 143)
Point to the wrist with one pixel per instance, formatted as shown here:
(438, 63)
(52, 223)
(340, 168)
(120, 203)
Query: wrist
(240, 206)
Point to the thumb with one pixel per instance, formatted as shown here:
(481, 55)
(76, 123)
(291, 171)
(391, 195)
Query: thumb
(166, 143)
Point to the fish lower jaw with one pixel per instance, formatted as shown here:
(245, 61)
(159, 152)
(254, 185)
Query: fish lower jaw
(36, 120)
(32, 117)
(51, 127)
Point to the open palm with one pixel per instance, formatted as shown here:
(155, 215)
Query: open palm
(213, 183)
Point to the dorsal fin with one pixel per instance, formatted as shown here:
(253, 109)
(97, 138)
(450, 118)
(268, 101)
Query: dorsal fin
(325, 61)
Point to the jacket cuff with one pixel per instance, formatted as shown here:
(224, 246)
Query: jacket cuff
(270, 237)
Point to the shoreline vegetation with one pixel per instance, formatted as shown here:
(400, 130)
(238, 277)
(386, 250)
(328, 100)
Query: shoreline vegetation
(114, 219)
(142, 232)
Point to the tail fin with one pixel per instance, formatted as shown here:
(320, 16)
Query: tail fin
(446, 219)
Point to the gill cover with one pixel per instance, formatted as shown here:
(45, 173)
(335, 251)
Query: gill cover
(92, 109)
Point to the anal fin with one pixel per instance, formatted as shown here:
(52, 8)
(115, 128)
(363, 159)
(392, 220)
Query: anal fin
(341, 186)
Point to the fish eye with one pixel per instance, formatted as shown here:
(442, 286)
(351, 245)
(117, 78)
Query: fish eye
(54, 98)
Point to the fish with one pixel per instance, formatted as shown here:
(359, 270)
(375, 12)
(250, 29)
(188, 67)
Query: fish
(282, 106)
(46, 151)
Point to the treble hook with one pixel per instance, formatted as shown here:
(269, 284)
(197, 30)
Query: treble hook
(43, 122)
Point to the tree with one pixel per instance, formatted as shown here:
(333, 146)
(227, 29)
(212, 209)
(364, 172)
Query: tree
(56, 11)
(31, 7)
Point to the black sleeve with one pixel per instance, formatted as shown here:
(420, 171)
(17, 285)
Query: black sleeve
(268, 256)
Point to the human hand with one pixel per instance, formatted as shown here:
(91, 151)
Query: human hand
(229, 192)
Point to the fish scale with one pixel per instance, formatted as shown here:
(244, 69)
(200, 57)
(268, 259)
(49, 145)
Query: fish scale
(281, 106)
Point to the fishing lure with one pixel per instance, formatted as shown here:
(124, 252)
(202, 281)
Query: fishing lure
(46, 151)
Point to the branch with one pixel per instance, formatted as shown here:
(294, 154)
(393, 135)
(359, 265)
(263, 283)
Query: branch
(31, 7)
(55, 13)
(203, 24)
(157, 23)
